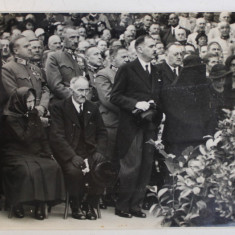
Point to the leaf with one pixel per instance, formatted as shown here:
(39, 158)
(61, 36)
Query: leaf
(153, 207)
(202, 150)
(210, 144)
(201, 205)
(185, 193)
(162, 191)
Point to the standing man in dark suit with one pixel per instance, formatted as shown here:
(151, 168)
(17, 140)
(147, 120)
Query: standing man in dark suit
(78, 133)
(136, 89)
(168, 36)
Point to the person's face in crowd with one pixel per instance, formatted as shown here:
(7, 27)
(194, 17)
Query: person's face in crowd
(5, 47)
(6, 35)
(30, 101)
(156, 38)
(41, 37)
(232, 66)
(175, 55)
(161, 58)
(106, 35)
(173, 20)
(82, 46)
(215, 49)
(92, 42)
(128, 37)
(82, 32)
(81, 63)
(202, 41)
(218, 84)
(102, 45)
(94, 57)
(203, 51)
(16, 32)
(208, 16)
(147, 49)
(154, 29)
(212, 61)
(132, 29)
(71, 39)
(55, 44)
(29, 26)
(59, 30)
(224, 29)
(132, 54)
(155, 17)
(160, 48)
(192, 23)
(120, 58)
(147, 21)
(80, 91)
(101, 27)
(22, 48)
(36, 50)
(125, 18)
(180, 35)
(225, 17)
(116, 43)
(201, 24)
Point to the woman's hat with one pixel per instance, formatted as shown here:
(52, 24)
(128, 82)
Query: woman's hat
(219, 71)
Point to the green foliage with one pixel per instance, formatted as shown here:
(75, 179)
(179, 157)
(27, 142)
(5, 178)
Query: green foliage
(202, 183)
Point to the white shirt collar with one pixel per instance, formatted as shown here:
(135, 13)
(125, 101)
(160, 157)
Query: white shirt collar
(77, 105)
(143, 63)
(172, 68)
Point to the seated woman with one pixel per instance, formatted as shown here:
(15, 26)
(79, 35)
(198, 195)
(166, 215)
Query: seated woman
(30, 173)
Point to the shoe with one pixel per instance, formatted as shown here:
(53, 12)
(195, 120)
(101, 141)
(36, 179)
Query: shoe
(39, 212)
(102, 204)
(90, 213)
(78, 214)
(122, 213)
(138, 213)
(19, 211)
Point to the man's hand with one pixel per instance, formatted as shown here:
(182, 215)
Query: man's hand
(78, 162)
(41, 110)
(98, 157)
(142, 105)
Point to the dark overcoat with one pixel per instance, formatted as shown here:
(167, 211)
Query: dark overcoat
(132, 84)
(66, 130)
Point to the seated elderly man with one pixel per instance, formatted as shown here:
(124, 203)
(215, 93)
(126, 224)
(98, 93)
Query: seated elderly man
(78, 133)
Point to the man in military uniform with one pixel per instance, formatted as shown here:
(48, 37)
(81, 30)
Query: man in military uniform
(62, 66)
(19, 72)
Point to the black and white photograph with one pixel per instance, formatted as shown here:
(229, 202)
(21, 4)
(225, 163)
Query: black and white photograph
(117, 120)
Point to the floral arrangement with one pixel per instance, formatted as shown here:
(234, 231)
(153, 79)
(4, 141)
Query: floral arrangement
(201, 186)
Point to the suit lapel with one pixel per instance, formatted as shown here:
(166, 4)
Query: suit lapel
(141, 73)
(87, 112)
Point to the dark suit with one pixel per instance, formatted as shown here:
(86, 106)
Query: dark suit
(167, 36)
(133, 84)
(76, 135)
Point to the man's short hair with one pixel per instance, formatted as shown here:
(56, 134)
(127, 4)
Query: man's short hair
(141, 40)
(87, 50)
(208, 56)
(172, 44)
(115, 49)
(213, 42)
(75, 79)
(14, 42)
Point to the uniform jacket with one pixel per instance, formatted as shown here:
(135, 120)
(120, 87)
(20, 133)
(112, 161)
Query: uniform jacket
(66, 129)
(131, 85)
(60, 69)
(104, 83)
(15, 75)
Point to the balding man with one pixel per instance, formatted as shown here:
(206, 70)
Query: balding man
(78, 133)
(154, 29)
(132, 29)
(180, 36)
(54, 43)
(214, 32)
(224, 39)
(128, 37)
(61, 66)
(200, 27)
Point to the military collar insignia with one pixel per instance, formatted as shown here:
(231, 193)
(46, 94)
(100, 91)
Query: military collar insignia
(71, 52)
(113, 68)
(92, 68)
(21, 61)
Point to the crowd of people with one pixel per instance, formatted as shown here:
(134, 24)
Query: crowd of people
(81, 95)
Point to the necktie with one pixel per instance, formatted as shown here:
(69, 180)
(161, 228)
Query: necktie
(147, 70)
(174, 71)
(173, 31)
